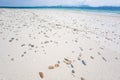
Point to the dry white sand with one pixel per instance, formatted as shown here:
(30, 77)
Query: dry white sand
(32, 40)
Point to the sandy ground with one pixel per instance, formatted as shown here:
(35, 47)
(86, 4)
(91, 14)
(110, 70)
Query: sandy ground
(59, 45)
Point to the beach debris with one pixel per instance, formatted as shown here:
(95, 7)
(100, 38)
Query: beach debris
(46, 42)
(91, 49)
(82, 78)
(104, 59)
(22, 55)
(72, 66)
(80, 55)
(91, 57)
(73, 71)
(22, 45)
(11, 39)
(58, 62)
(99, 53)
(116, 58)
(67, 61)
(75, 29)
(12, 59)
(66, 42)
(76, 41)
(83, 62)
(57, 24)
(78, 58)
(31, 45)
(101, 48)
(73, 51)
(81, 48)
(41, 74)
(25, 52)
(57, 65)
(50, 67)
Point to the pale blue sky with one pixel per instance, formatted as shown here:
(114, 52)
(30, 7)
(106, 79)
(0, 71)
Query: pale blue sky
(59, 2)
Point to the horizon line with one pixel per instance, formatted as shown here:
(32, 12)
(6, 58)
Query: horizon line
(55, 6)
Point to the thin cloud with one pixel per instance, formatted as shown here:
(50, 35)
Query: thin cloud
(59, 2)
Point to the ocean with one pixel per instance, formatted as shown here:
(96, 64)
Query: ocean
(103, 9)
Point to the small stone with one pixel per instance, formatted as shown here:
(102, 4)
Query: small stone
(80, 55)
(72, 66)
(41, 74)
(83, 62)
(104, 59)
(116, 58)
(66, 42)
(58, 62)
(11, 39)
(73, 71)
(81, 48)
(76, 41)
(32, 45)
(22, 45)
(91, 57)
(25, 52)
(12, 59)
(91, 49)
(22, 55)
(73, 51)
(101, 48)
(67, 61)
(51, 67)
(82, 78)
(99, 53)
(57, 65)
(16, 39)
(79, 58)
(46, 42)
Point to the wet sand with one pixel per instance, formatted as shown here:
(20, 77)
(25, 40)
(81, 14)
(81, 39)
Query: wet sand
(59, 45)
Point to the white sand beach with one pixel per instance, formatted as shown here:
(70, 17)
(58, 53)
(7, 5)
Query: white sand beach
(59, 45)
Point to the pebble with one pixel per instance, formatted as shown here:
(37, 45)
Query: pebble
(57, 65)
(22, 55)
(67, 61)
(11, 40)
(12, 59)
(72, 66)
(116, 58)
(99, 53)
(73, 71)
(81, 48)
(58, 62)
(41, 74)
(91, 57)
(51, 67)
(104, 59)
(22, 45)
(79, 58)
(25, 52)
(82, 78)
(83, 62)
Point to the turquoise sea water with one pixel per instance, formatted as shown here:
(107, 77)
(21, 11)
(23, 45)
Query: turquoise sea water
(115, 10)
(101, 11)
(97, 10)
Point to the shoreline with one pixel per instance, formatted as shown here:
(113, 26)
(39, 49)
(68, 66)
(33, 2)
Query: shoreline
(74, 10)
